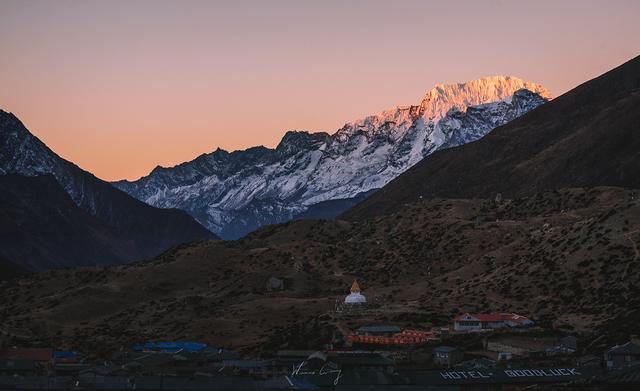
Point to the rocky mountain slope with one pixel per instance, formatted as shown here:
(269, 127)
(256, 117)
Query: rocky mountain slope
(589, 136)
(142, 231)
(234, 193)
(568, 259)
(42, 228)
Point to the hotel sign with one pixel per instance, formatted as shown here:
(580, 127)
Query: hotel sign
(512, 375)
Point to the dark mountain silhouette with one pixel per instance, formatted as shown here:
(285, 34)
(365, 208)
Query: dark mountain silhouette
(9, 270)
(142, 231)
(588, 137)
(41, 227)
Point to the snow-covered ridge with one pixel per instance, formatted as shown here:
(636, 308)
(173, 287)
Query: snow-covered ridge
(442, 98)
(233, 193)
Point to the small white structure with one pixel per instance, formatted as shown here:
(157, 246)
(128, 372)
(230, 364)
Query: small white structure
(355, 297)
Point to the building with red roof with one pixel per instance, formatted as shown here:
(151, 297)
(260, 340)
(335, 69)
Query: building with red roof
(470, 322)
(43, 355)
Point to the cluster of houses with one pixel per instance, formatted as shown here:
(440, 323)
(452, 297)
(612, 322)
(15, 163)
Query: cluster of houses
(195, 366)
(38, 361)
(376, 356)
(491, 321)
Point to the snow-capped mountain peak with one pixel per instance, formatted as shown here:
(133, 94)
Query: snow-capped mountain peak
(443, 97)
(233, 193)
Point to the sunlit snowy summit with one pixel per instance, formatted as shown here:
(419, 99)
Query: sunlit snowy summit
(319, 175)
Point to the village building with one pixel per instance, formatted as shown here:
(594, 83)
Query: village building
(622, 355)
(477, 363)
(472, 322)
(447, 356)
(19, 368)
(626, 378)
(566, 345)
(340, 362)
(355, 297)
(589, 361)
(362, 361)
(65, 357)
(66, 363)
(391, 335)
(26, 360)
(244, 367)
(507, 346)
(169, 347)
(378, 330)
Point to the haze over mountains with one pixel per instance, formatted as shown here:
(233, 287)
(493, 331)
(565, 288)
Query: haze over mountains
(321, 175)
(73, 218)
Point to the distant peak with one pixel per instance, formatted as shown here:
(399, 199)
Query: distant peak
(499, 85)
(443, 97)
(297, 140)
(157, 169)
(220, 150)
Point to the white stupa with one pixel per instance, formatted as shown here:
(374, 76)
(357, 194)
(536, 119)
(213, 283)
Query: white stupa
(355, 297)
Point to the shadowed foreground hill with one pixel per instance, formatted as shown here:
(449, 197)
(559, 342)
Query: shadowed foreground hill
(569, 259)
(9, 270)
(42, 228)
(137, 230)
(589, 136)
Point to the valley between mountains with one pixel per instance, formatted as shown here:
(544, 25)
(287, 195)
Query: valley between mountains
(541, 216)
(567, 258)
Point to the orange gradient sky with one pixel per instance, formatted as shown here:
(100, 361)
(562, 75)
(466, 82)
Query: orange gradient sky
(119, 87)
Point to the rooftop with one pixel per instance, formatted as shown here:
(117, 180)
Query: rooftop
(36, 354)
(445, 349)
(492, 317)
(379, 329)
(627, 348)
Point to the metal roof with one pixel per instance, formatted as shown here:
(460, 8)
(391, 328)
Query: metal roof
(171, 346)
(379, 329)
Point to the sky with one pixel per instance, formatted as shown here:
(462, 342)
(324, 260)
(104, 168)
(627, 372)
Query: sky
(119, 87)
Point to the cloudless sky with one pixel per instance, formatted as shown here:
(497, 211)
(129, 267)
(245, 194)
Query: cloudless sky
(119, 87)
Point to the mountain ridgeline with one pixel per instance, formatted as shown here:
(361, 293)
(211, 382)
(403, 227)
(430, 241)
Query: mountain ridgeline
(320, 175)
(568, 257)
(70, 217)
(587, 137)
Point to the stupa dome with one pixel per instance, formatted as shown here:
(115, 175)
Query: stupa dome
(355, 297)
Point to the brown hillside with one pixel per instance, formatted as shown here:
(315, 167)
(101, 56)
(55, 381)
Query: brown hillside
(569, 259)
